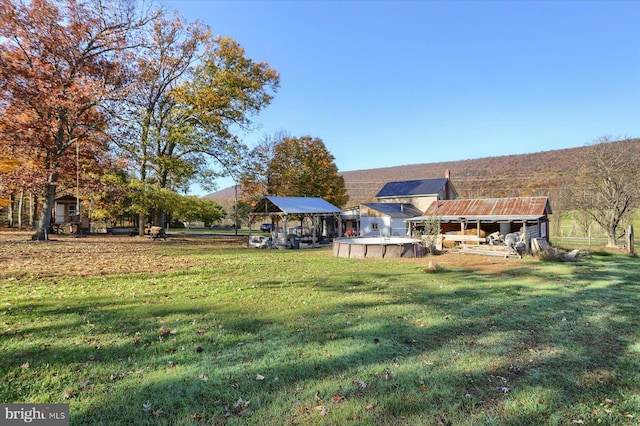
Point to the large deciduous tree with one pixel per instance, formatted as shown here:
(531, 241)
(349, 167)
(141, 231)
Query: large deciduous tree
(607, 186)
(227, 91)
(150, 132)
(303, 167)
(60, 65)
(193, 91)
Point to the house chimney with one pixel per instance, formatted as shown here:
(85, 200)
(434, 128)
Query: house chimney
(447, 191)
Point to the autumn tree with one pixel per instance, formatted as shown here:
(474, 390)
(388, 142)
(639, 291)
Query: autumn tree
(7, 166)
(191, 91)
(149, 130)
(227, 91)
(60, 66)
(192, 208)
(607, 185)
(303, 167)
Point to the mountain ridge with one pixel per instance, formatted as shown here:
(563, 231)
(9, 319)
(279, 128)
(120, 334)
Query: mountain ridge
(540, 173)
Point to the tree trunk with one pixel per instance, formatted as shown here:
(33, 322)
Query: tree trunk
(630, 243)
(611, 239)
(32, 210)
(141, 224)
(20, 204)
(47, 208)
(10, 211)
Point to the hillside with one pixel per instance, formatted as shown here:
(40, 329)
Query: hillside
(541, 173)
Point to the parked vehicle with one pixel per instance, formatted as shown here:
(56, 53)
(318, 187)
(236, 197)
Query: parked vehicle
(266, 227)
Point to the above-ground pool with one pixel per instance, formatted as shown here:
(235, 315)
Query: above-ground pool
(377, 247)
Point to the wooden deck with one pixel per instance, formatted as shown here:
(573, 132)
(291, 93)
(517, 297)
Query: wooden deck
(488, 250)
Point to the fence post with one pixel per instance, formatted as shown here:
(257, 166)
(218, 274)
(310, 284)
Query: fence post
(629, 238)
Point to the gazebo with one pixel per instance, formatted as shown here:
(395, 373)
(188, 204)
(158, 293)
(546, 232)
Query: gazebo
(283, 208)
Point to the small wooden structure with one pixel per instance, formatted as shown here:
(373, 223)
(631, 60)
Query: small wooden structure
(67, 218)
(470, 221)
(286, 208)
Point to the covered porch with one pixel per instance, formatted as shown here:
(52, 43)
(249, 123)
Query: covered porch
(288, 215)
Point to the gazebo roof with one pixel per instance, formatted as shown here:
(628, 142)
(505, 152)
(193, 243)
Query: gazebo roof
(273, 205)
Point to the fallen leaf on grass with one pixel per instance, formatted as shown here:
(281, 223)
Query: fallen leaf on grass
(502, 389)
(25, 365)
(241, 403)
(424, 388)
(146, 407)
(318, 399)
(362, 385)
(196, 416)
(609, 401)
(338, 398)
(158, 412)
(203, 377)
(515, 370)
(323, 409)
(259, 377)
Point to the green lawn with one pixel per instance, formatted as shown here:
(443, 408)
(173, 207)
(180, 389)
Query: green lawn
(239, 336)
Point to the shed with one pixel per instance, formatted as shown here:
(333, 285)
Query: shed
(506, 215)
(66, 216)
(283, 208)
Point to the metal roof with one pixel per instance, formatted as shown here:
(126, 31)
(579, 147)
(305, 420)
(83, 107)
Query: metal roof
(395, 210)
(294, 205)
(412, 187)
(489, 209)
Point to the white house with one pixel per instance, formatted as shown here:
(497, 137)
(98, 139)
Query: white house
(398, 201)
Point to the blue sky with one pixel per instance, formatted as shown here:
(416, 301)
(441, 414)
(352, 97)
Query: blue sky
(387, 83)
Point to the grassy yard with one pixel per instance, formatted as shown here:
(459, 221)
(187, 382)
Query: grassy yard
(203, 331)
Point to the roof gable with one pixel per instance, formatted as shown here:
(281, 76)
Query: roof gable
(412, 187)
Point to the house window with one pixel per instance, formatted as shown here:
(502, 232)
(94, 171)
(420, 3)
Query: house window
(374, 226)
(72, 209)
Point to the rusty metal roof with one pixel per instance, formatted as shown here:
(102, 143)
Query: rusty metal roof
(496, 209)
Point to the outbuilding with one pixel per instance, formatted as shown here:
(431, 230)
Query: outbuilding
(473, 220)
(284, 210)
